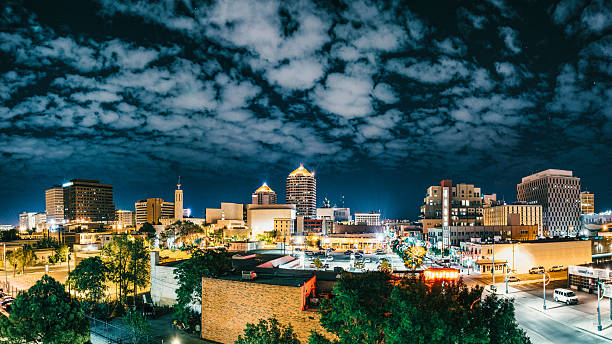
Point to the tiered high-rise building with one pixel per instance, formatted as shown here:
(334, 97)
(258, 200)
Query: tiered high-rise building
(88, 200)
(558, 192)
(302, 191)
(264, 195)
(54, 201)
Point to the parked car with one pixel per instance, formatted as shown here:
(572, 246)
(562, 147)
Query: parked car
(329, 259)
(513, 279)
(358, 256)
(331, 249)
(379, 252)
(537, 270)
(297, 249)
(347, 252)
(6, 301)
(557, 268)
(565, 295)
(360, 251)
(367, 260)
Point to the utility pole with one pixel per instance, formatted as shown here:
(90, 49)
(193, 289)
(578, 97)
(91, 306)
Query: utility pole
(493, 265)
(506, 278)
(599, 328)
(4, 259)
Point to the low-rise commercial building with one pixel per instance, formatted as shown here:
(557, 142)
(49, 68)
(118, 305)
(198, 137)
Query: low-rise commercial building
(526, 214)
(228, 211)
(454, 235)
(585, 277)
(522, 256)
(370, 219)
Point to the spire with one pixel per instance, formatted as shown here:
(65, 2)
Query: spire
(178, 185)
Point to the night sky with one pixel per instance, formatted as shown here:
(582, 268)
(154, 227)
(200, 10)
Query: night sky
(380, 99)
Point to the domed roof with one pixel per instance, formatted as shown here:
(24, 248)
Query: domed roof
(300, 171)
(264, 188)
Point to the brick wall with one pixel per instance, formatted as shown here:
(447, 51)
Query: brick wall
(227, 306)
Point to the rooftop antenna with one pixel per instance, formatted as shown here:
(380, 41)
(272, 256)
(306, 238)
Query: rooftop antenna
(178, 185)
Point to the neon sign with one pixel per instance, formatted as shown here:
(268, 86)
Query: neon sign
(440, 274)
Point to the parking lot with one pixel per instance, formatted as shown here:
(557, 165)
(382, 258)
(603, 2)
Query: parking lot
(331, 260)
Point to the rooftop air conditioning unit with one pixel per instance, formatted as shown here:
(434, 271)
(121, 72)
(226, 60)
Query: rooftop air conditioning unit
(248, 275)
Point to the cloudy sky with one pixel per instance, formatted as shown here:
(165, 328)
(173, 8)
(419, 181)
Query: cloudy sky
(381, 99)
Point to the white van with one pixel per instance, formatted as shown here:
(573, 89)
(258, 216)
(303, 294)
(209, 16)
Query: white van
(565, 295)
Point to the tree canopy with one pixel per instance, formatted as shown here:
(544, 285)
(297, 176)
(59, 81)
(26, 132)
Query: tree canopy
(89, 278)
(45, 314)
(268, 332)
(368, 308)
(127, 262)
(203, 263)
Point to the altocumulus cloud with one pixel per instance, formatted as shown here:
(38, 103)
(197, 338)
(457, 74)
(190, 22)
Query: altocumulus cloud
(220, 84)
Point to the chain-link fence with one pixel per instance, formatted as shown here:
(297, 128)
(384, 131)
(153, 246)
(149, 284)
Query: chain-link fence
(111, 333)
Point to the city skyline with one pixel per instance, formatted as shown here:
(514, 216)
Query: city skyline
(382, 100)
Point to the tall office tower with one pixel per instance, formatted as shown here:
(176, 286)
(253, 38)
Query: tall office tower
(264, 195)
(448, 205)
(178, 201)
(558, 192)
(126, 218)
(152, 209)
(302, 191)
(54, 201)
(88, 200)
(587, 202)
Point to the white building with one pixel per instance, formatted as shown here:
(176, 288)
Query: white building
(370, 219)
(30, 221)
(260, 218)
(334, 214)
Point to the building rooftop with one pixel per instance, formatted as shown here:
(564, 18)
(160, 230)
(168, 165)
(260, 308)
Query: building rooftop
(301, 171)
(548, 173)
(264, 188)
(286, 281)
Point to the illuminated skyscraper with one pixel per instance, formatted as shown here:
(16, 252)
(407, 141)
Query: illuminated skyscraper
(54, 201)
(264, 195)
(88, 200)
(587, 202)
(302, 191)
(558, 191)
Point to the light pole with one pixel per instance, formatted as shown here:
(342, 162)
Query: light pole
(544, 288)
(599, 328)
(493, 266)
(506, 278)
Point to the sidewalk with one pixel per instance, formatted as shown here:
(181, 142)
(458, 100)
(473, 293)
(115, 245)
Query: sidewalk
(570, 316)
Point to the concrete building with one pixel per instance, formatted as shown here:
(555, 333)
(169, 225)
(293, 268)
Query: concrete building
(558, 192)
(54, 201)
(284, 227)
(163, 281)
(455, 235)
(152, 210)
(260, 218)
(88, 200)
(125, 218)
(302, 191)
(228, 211)
(585, 277)
(356, 229)
(370, 219)
(522, 256)
(178, 202)
(335, 214)
(587, 203)
(368, 242)
(264, 195)
(448, 205)
(528, 215)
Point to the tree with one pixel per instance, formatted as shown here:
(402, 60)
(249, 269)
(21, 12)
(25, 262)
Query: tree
(9, 235)
(127, 261)
(45, 314)
(13, 259)
(357, 312)
(318, 264)
(183, 231)
(89, 278)
(413, 256)
(367, 308)
(139, 325)
(202, 263)
(268, 332)
(21, 258)
(385, 267)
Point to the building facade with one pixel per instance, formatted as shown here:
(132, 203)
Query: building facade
(260, 218)
(302, 191)
(334, 214)
(151, 210)
(54, 202)
(88, 200)
(455, 235)
(528, 215)
(558, 192)
(126, 218)
(27, 221)
(263, 195)
(228, 211)
(459, 205)
(587, 203)
(178, 202)
(370, 219)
